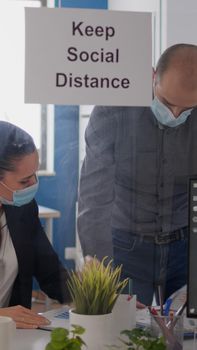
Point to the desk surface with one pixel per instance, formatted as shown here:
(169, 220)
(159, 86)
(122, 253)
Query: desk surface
(37, 340)
(50, 213)
(31, 339)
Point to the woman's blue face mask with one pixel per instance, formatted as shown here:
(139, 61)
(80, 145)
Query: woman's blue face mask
(165, 116)
(21, 197)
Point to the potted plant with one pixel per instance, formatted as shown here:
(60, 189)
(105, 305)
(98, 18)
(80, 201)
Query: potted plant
(62, 339)
(140, 339)
(94, 292)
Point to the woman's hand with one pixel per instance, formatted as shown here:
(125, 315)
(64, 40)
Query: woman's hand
(23, 317)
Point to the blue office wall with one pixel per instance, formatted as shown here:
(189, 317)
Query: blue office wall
(98, 4)
(60, 191)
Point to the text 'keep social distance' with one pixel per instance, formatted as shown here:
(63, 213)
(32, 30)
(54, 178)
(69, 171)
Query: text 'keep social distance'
(73, 54)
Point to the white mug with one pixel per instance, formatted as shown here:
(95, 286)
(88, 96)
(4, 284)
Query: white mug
(7, 331)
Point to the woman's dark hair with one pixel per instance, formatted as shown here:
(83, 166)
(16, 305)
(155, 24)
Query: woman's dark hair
(15, 143)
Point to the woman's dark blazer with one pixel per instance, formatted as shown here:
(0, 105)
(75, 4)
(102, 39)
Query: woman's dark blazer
(35, 255)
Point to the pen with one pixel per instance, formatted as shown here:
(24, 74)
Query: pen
(153, 311)
(45, 328)
(167, 306)
(160, 294)
(171, 322)
(130, 286)
(181, 309)
(179, 312)
(171, 315)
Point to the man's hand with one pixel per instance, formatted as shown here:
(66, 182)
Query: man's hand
(23, 317)
(89, 259)
(140, 305)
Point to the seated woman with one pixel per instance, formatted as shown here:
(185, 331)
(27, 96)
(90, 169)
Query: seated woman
(25, 251)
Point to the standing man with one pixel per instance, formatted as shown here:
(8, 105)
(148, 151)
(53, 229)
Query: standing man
(133, 200)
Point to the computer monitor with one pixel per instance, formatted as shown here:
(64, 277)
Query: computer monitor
(192, 250)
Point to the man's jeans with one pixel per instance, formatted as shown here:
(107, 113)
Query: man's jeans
(149, 264)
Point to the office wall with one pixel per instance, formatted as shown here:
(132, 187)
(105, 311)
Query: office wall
(60, 191)
(179, 22)
(152, 6)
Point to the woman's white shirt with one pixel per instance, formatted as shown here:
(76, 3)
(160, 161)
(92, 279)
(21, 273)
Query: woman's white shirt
(8, 264)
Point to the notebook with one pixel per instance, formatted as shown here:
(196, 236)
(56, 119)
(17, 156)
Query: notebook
(58, 317)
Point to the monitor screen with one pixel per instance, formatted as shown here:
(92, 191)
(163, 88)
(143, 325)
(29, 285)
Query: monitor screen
(192, 250)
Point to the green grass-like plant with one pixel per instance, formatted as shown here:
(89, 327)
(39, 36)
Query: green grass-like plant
(96, 288)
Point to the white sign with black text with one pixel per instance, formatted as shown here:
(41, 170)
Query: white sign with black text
(80, 56)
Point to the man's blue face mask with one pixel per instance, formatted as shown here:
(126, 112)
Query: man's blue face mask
(165, 116)
(21, 197)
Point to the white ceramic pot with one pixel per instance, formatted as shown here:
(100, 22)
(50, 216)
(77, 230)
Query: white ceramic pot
(97, 334)
(123, 316)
